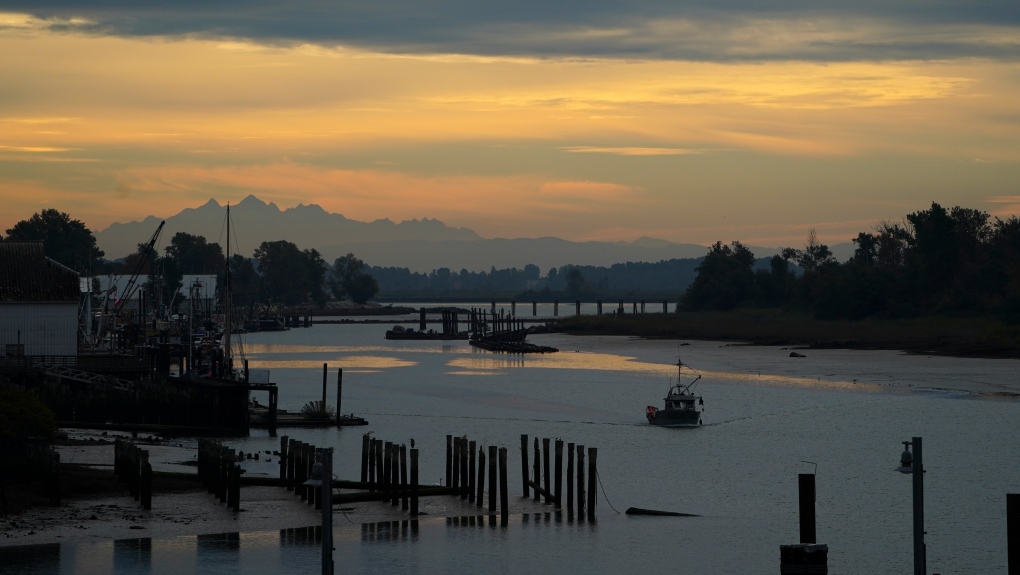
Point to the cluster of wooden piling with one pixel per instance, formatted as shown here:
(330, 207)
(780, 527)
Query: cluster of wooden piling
(462, 477)
(131, 465)
(219, 472)
(388, 477)
(502, 326)
(296, 461)
(546, 479)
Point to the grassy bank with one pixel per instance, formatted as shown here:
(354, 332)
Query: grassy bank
(936, 336)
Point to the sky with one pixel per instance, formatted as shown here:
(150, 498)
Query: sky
(691, 121)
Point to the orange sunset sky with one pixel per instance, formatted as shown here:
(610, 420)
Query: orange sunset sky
(688, 121)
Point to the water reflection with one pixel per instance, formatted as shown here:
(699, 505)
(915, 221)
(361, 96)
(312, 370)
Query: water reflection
(388, 531)
(252, 350)
(355, 361)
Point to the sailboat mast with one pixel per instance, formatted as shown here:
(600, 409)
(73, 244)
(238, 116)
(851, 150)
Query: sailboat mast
(227, 296)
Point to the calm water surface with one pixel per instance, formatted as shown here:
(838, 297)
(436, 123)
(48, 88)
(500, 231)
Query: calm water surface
(766, 415)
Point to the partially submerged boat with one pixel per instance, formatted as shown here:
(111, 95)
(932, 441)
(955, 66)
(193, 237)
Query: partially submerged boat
(681, 404)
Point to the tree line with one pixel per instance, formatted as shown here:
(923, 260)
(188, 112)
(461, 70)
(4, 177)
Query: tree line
(277, 271)
(938, 261)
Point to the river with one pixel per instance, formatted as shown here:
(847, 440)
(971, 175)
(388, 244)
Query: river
(768, 417)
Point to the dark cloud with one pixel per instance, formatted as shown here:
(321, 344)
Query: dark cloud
(700, 30)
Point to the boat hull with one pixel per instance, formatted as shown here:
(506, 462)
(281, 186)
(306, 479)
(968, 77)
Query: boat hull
(679, 418)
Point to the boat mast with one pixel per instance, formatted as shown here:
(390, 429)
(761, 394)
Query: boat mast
(228, 360)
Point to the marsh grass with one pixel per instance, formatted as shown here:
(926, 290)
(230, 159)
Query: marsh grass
(964, 337)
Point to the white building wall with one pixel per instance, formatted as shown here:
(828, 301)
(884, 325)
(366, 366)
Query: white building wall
(46, 328)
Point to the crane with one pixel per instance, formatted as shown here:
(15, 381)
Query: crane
(129, 288)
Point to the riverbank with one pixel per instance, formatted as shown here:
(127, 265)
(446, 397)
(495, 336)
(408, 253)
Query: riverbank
(957, 337)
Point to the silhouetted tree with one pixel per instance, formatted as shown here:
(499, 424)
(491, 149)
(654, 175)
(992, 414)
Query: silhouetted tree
(724, 280)
(65, 240)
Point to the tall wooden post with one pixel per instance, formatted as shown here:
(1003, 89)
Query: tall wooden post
(339, 392)
(524, 464)
(577, 305)
(559, 473)
(580, 482)
(403, 477)
(325, 372)
(503, 499)
(291, 463)
(414, 482)
(480, 484)
(806, 491)
(471, 472)
(492, 479)
(534, 308)
(283, 460)
(456, 463)
(546, 475)
(449, 458)
(1013, 533)
(537, 473)
(387, 470)
(364, 457)
(593, 477)
(570, 479)
(556, 308)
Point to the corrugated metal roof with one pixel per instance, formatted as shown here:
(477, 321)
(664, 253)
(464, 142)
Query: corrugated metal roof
(26, 274)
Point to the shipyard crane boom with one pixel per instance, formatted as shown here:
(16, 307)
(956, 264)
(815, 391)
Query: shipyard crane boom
(106, 319)
(129, 289)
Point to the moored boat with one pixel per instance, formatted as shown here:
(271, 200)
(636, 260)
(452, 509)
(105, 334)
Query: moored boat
(681, 404)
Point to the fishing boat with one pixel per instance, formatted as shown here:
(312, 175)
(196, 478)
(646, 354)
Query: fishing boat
(681, 404)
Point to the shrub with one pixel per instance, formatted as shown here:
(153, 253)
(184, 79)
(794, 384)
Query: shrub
(24, 415)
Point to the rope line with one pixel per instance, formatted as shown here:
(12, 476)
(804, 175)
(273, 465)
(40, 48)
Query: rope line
(604, 496)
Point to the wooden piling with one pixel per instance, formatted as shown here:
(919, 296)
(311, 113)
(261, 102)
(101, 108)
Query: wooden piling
(456, 463)
(403, 477)
(449, 451)
(395, 469)
(556, 308)
(414, 482)
(480, 483)
(598, 307)
(379, 477)
(580, 482)
(503, 499)
(471, 472)
(371, 464)
(234, 490)
(364, 458)
(559, 473)
(325, 372)
(570, 479)
(291, 463)
(806, 496)
(546, 475)
(339, 393)
(593, 477)
(1013, 533)
(492, 478)
(283, 460)
(537, 467)
(524, 464)
(387, 469)
(577, 305)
